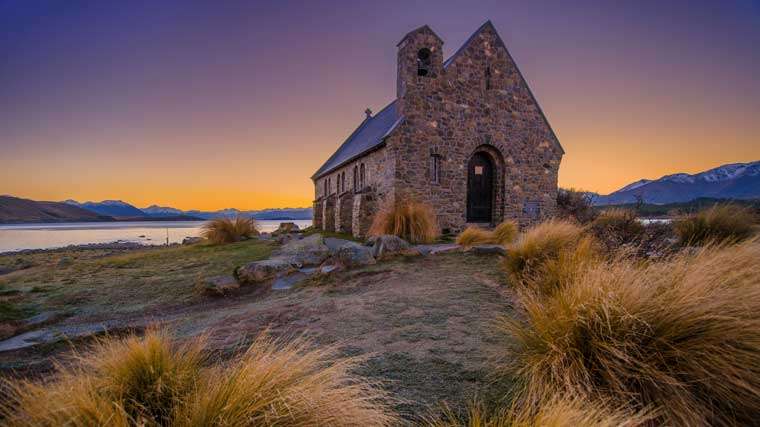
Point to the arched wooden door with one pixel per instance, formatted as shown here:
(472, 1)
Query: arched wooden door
(480, 173)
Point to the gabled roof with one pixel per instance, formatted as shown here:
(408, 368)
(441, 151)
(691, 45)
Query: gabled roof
(370, 135)
(489, 24)
(372, 132)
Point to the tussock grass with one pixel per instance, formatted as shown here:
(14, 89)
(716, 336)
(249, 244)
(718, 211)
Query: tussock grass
(715, 224)
(502, 234)
(681, 336)
(505, 233)
(154, 381)
(228, 230)
(553, 412)
(545, 249)
(618, 226)
(411, 220)
(473, 236)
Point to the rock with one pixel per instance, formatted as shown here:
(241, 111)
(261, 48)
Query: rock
(5, 270)
(287, 281)
(333, 244)
(304, 252)
(65, 262)
(388, 245)
(488, 249)
(259, 271)
(217, 286)
(441, 248)
(326, 269)
(265, 236)
(287, 227)
(354, 255)
(191, 240)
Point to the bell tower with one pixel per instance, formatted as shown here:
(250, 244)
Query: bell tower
(420, 63)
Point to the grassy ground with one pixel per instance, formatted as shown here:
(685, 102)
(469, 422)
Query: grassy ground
(422, 323)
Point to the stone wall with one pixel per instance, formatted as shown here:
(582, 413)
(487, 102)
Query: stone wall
(344, 212)
(453, 114)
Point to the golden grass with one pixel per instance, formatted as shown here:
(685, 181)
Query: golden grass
(537, 251)
(553, 412)
(715, 224)
(681, 336)
(618, 226)
(411, 220)
(228, 230)
(473, 236)
(502, 234)
(156, 381)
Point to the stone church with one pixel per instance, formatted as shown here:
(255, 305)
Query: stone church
(465, 135)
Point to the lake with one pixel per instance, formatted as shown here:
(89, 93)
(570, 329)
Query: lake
(14, 237)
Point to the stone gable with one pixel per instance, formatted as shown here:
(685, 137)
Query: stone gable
(477, 102)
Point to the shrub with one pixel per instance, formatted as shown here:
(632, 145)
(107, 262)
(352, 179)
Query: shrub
(472, 236)
(555, 412)
(575, 205)
(617, 226)
(505, 233)
(717, 223)
(502, 234)
(227, 230)
(681, 336)
(411, 220)
(156, 381)
(541, 244)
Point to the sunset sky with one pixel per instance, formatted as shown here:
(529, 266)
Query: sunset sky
(214, 104)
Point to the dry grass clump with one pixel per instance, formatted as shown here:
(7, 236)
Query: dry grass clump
(553, 412)
(228, 230)
(617, 226)
(154, 381)
(537, 251)
(502, 234)
(505, 233)
(681, 336)
(715, 224)
(411, 220)
(473, 236)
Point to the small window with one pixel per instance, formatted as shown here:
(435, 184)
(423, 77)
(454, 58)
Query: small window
(343, 181)
(424, 59)
(326, 188)
(361, 176)
(488, 77)
(356, 178)
(435, 169)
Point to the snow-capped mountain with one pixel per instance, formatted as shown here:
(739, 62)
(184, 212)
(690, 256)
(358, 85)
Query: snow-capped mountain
(156, 210)
(731, 181)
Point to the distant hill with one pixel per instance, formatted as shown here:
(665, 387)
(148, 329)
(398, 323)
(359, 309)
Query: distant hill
(265, 214)
(17, 210)
(650, 210)
(114, 208)
(731, 181)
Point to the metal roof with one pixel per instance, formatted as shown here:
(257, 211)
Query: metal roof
(369, 135)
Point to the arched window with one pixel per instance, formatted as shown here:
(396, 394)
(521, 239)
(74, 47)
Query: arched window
(343, 182)
(488, 77)
(424, 59)
(435, 168)
(325, 184)
(356, 178)
(361, 176)
(329, 186)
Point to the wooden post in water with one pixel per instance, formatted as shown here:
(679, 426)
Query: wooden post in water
(167, 236)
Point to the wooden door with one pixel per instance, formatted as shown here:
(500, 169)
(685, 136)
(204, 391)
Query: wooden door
(479, 188)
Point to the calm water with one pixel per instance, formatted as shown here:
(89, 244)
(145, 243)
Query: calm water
(43, 236)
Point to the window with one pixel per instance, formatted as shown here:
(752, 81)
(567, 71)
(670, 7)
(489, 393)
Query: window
(435, 168)
(356, 178)
(329, 186)
(343, 182)
(532, 209)
(326, 185)
(361, 176)
(423, 62)
(488, 77)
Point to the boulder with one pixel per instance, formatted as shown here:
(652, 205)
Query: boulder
(304, 252)
(217, 286)
(440, 248)
(191, 240)
(488, 249)
(388, 245)
(259, 271)
(333, 244)
(354, 255)
(287, 227)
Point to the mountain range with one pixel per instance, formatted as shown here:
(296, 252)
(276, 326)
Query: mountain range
(123, 210)
(731, 181)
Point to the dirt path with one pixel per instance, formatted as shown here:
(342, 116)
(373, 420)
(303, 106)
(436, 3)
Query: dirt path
(424, 324)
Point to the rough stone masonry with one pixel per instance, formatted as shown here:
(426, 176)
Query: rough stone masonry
(465, 135)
